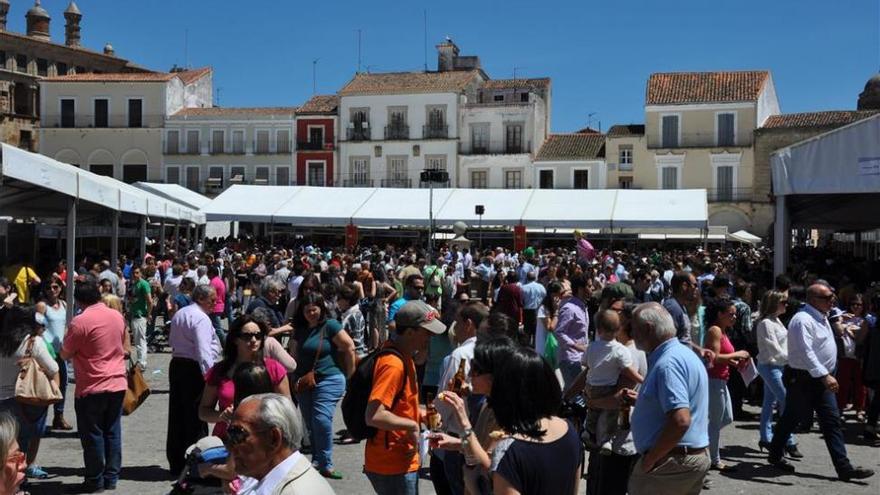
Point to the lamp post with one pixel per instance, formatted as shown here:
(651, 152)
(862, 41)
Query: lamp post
(480, 210)
(431, 176)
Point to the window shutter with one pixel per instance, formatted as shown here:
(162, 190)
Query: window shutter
(670, 131)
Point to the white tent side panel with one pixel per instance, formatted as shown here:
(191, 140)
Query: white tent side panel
(399, 207)
(246, 203)
(681, 208)
(39, 170)
(570, 208)
(503, 206)
(843, 161)
(323, 206)
(175, 192)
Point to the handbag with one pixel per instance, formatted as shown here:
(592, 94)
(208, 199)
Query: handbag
(33, 387)
(136, 392)
(309, 381)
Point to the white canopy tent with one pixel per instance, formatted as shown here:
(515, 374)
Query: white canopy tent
(828, 181)
(533, 208)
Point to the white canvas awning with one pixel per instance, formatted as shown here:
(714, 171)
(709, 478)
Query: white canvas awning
(322, 206)
(744, 237)
(679, 208)
(570, 208)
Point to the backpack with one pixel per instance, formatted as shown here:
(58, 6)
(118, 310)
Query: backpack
(434, 282)
(357, 395)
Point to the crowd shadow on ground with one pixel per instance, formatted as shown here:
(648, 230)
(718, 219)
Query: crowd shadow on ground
(52, 485)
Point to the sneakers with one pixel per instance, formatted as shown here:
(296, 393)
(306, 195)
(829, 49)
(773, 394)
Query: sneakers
(36, 472)
(855, 473)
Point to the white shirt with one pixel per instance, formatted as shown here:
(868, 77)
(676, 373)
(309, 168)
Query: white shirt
(811, 345)
(772, 342)
(265, 486)
(606, 358)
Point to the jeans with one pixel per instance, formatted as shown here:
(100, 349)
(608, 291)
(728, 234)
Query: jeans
(317, 408)
(395, 484)
(570, 370)
(62, 377)
(774, 392)
(99, 422)
(720, 415)
(31, 420)
(805, 394)
(139, 340)
(218, 328)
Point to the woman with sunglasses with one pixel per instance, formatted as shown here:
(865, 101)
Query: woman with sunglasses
(772, 339)
(13, 458)
(720, 317)
(244, 344)
(54, 309)
(852, 330)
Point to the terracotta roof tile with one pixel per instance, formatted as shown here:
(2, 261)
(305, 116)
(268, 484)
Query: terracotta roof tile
(535, 84)
(63, 46)
(320, 104)
(232, 111)
(572, 147)
(408, 82)
(191, 76)
(832, 118)
(626, 130)
(676, 88)
(188, 77)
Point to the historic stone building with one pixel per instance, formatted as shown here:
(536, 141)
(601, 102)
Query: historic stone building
(27, 58)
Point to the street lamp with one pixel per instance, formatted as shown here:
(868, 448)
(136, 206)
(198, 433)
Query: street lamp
(431, 176)
(479, 210)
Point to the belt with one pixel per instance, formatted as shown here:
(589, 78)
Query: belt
(685, 450)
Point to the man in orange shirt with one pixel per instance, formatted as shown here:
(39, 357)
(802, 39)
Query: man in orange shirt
(392, 455)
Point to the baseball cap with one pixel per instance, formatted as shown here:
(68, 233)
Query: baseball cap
(418, 314)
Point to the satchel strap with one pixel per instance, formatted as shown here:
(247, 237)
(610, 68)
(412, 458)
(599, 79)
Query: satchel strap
(320, 343)
(29, 350)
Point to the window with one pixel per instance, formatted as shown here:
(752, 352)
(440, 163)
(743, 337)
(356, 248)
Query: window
(134, 173)
(726, 129)
(236, 175)
(360, 170)
(192, 142)
(436, 127)
(192, 178)
(316, 136)
(135, 112)
(105, 170)
(435, 162)
(397, 172)
(397, 127)
(282, 176)
(2, 59)
(218, 141)
(80, 69)
(60, 68)
(479, 179)
(42, 67)
(480, 138)
(513, 179)
(215, 179)
(669, 178)
(625, 182)
(545, 179)
(282, 141)
(626, 154)
(172, 143)
(669, 131)
(262, 143)
(581, 179)
(172, 175)
(262, 176)
(359, 130)
(315, 173)
(238, 142)
(25, 140)
(524, 97)
(102, 112)
(513, 138)
(498, 98)
(21, 62)
(724, 185)
(68, 115)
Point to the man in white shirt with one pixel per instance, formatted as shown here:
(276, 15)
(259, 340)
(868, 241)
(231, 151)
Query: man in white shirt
(264, 438)
(810, 383)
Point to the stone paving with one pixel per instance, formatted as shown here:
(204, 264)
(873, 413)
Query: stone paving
(145, 471)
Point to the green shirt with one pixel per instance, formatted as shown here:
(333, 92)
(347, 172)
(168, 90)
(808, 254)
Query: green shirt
(140, 292)
(329, 362)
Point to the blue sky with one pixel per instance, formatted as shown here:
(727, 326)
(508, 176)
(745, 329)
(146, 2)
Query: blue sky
(598, 53)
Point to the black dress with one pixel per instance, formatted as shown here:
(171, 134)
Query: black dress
(543, 468)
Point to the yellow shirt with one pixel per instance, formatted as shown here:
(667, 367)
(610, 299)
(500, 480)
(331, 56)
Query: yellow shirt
(20, 276)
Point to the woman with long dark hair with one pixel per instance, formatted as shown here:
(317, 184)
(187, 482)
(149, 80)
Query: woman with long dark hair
(244, 344)
(54, 309)
(548, 312)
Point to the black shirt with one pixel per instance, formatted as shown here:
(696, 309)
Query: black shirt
(543, 468)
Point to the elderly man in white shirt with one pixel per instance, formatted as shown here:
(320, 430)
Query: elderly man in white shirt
(264, 438)
(812, 359)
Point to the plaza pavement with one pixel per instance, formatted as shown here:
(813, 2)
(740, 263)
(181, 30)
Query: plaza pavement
(145, 471)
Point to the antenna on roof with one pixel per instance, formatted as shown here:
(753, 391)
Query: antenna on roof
(186, 48)
(314, 76)
(359, 51)
(217, 102)
(514, 71)
(426, 39)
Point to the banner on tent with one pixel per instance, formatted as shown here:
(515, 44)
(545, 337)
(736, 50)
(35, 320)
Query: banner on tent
(519, 237)
(351, 236)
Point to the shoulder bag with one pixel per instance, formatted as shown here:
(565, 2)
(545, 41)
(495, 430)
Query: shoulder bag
(33, 387)
(309, 381)
(136, 392)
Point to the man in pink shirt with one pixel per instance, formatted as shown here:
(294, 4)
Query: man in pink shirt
(95, 343)
(220, 288)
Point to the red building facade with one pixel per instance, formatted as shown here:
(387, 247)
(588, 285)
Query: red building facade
(316, 141)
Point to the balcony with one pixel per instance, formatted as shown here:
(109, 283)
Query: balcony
(358, 133)
(357, 182)
(696, 140)
(435, 131)
(112, 121)
(729, 195)
(397, 131)
(402, 183)
(495, 148)
(314, 146)
(625, 167)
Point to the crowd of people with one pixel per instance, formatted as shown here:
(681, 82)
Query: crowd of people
(527, 372)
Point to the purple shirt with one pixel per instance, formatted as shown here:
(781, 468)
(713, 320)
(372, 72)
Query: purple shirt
(572, 329)
(193, 337)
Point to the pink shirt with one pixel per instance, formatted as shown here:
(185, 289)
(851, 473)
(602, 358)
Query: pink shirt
(226, 388)
(220, 289)
(94, 339)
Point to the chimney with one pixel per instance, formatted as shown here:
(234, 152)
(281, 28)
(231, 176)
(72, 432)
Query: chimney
(447, 52)
(38, 22)
(108, 50)
(72, 29)
(4, 9)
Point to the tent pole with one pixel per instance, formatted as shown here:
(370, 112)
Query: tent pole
(162, 237)
(272, 234)
(781, 237)
(704, 233)
(142, 242)
(177, 238)
(114, 240)
(71, 256)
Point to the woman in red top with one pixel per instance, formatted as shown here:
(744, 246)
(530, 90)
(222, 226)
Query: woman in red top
(721, 315)
(243, 345)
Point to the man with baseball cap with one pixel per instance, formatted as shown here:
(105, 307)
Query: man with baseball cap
(391, 457)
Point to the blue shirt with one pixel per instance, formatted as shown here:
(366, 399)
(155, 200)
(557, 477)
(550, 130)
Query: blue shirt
(533, 294)
(680, 318)
(676, 379)
(524, 270)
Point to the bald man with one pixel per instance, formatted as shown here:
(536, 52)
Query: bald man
(810, 383)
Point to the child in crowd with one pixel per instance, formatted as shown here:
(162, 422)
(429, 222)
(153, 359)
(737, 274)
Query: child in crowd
(607, 360)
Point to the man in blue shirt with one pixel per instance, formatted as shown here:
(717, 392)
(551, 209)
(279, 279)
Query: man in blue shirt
(670, 422)
(533, 295)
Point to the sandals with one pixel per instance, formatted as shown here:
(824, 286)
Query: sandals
(724, 468)
(333, 475)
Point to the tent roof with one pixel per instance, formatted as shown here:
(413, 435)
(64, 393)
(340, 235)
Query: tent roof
(535, 208)
(745, 237)
(34, 175)
(175, 192)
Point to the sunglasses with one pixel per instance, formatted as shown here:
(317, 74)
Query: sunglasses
(236, 435)
(248, 336)
(826, 298)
